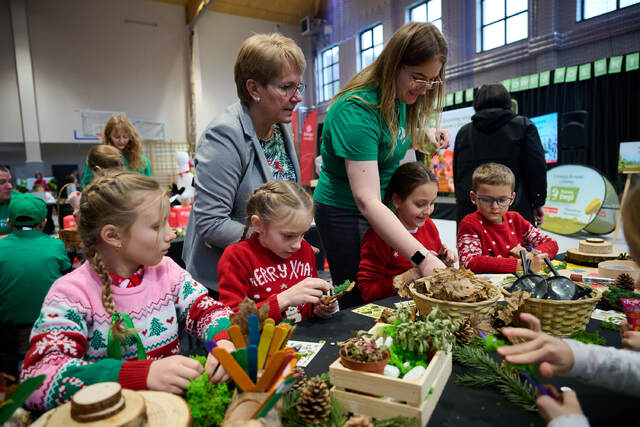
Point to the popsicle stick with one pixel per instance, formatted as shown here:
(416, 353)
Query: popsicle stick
(275, 395)
(254, 330)
(288, 337)
(252, 357)
(236, 336)
(210, 345)
(233, 368)
(269, 321)
(278, 335)
(265, 343)
(271, 369)
(242, 358)
(284, 365)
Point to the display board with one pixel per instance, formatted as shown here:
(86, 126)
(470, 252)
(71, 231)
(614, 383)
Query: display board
(629, 160)
(575, 197)
(442, 163)
(547, 126)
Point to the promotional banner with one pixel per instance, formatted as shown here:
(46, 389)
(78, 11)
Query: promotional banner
(294, 126)
(442, 163)
(307, 147)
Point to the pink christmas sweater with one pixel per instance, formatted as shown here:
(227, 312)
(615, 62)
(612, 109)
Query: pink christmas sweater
(69, 338)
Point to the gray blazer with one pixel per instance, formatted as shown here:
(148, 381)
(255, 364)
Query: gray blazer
(229, 165)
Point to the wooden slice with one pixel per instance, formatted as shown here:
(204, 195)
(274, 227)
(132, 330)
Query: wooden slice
(612, 269)
(166, 409)
(96, 402)
(589, 259)
(595, 245)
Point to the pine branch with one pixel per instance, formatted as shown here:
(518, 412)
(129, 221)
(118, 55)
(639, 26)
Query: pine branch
(475, 380)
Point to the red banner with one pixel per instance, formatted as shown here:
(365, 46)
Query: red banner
(294, 126)
(307, 147)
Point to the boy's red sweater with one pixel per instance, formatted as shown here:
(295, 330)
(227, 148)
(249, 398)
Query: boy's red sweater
(484, 247)
(379, 262)
(247, 269)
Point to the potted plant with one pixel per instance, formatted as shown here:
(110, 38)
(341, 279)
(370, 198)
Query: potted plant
(362, 354)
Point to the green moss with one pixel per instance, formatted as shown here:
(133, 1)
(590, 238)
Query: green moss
(208, 402)
(589, 338)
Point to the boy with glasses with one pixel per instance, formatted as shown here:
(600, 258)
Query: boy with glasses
(490, 239)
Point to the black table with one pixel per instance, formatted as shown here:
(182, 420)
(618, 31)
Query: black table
(463, 406)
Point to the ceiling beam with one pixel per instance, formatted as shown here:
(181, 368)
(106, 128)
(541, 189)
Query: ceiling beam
(195, 9)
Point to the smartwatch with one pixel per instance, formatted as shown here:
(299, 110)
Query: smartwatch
(418, 257)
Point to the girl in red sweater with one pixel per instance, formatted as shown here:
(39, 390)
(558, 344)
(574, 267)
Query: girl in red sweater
(276, 265)
(412, 190)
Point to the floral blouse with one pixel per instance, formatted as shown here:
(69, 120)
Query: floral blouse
(276, 153)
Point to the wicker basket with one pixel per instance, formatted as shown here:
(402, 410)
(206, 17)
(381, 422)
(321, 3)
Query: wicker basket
(454, 309)
(561, 318)
(69, 236)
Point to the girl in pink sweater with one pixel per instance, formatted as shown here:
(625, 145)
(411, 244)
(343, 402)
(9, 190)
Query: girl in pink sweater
(116, 318)
(276, 265)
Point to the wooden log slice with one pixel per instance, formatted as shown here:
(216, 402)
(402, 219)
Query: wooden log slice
(612, 269)
(96, 402)
(589, 259)
(166, 409)
(594, 245)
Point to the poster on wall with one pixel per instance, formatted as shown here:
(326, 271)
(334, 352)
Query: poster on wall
(442, 163)
(575, 195)
(91, 124)
(629, 160)
(307, 147)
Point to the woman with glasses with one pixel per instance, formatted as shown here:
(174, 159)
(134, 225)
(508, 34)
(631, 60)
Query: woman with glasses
(371, 123)
(246, 145)
(497, 134)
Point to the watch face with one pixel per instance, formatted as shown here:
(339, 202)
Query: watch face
(417, 258)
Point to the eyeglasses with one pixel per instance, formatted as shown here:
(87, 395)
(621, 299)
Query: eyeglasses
(290, 89)
(487, 201)
(419, 84)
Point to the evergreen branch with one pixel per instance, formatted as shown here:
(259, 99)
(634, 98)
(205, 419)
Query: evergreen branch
(475, 380)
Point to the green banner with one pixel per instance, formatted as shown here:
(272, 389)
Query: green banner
(584, 71)
(632, 61)
(615, 64)
(459, 97)
(545, 78)
(468, 95)
(563, 194)
(448, 100)
(600, 67)
(524, 82)
(515, 85)
(533, 81)
(507, 84)
(571, 74)
(558, 75)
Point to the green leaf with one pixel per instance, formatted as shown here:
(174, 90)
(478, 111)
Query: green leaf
(17, 399)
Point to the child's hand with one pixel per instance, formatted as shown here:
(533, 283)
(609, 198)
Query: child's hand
(451, 256)
(325, 311)
(537, 262)
(630, 339)
(308, 290)
(555, 354)
(173, 374)
(551, 408)
(220, 374)
(431, 262)
(515, 251)
(74, 200)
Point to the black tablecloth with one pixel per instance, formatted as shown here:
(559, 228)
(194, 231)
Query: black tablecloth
(462, 406)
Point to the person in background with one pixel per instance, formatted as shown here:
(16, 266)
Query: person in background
(22, 290)
(412, 191)
(117, 317)
(6, 192)
(370, 125)
(120, 133)
(246, 145)
(490, 239)
(497, 134)
(39, 180)
(276, 266)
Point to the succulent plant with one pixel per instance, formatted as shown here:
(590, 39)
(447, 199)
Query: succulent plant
(434, 332)
(363, 348)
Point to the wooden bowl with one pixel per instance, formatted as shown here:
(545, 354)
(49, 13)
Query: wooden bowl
(614, 268)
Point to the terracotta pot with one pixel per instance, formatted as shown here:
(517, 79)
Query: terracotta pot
(375, 367)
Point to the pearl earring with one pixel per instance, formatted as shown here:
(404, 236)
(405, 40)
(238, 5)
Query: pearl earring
(258, 99)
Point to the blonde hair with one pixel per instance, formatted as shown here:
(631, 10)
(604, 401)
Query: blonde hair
(268, 200)
(133, 149)
(631, 222)
(413, 44)
(111, 199)
(105, 157)
(262, 57)
(492, 174)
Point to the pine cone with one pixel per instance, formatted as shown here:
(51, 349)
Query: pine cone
(465, 333)
(624, 281)
(314, 404)
(301, 378)
(358, 421)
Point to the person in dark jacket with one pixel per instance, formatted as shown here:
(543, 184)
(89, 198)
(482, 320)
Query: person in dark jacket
(497, 134)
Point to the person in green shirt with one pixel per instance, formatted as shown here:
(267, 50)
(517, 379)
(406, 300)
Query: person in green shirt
(370, 125)
(119, 132)
(6, 192)
(30, 261)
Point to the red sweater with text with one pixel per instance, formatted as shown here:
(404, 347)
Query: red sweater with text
(247, 269)
(484, 247)
(379, 262)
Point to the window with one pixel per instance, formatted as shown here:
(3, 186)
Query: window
(502, 22)
(591, 8)
(328, 73)
(371, 44)
(427, 11)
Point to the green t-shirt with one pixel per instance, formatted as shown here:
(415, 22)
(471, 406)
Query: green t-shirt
(4, 214)
(355, 131)
(22, 288)
(87, 175)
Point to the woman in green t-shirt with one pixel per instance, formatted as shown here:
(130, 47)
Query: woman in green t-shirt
(122, 134)
(369, 127)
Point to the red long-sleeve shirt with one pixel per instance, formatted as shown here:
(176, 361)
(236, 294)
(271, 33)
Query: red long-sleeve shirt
(484, 247)
(248, 269)
(379, 262)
